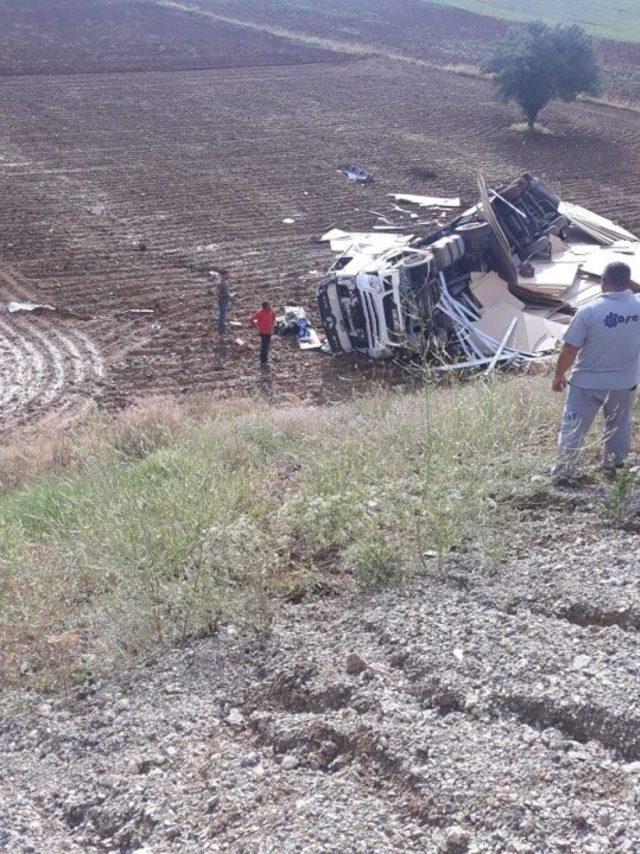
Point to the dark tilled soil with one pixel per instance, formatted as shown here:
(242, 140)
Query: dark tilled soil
(124, 190)
(419, 29)
(484, 708)
(90, 36)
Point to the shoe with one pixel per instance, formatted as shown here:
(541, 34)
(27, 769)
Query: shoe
(610, 472)
(564, 481)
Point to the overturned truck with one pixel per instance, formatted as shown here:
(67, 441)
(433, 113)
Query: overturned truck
(497, 284)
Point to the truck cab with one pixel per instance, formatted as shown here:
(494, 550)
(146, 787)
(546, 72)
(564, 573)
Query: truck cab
(375, 305)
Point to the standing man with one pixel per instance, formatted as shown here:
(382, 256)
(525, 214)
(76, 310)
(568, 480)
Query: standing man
(224, 297)
(604, 337)
(265, 320)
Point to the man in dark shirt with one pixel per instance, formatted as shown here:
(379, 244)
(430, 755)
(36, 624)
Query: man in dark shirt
(224, 297)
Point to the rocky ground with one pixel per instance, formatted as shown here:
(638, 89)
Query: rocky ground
(483, 707)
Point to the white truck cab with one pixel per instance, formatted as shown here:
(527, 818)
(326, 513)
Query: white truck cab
(370, 303)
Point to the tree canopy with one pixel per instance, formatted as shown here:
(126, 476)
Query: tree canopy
(535, 64)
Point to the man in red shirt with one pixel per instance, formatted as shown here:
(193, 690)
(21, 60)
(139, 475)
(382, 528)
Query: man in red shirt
(265, 320)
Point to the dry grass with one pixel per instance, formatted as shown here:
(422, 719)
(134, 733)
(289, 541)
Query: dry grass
(60, 444)
(133, 533)
(523, 127)
(466, 70)
(610, 100)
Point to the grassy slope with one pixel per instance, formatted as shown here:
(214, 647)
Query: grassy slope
(139, 533)
(612, 19)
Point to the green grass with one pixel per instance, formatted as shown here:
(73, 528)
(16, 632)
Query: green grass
(611, 19)
(130, 535)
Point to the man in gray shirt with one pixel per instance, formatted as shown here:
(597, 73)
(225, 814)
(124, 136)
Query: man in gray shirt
(604, 337)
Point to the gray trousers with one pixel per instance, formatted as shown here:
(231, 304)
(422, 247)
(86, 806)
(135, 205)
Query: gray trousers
(581, 407)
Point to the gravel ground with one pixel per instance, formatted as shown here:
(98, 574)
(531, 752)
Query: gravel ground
(486, 708)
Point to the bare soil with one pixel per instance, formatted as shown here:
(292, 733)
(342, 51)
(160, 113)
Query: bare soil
(90, 36)
(420, 29)
(124, 190)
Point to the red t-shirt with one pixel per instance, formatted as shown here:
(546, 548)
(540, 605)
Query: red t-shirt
(266, 320)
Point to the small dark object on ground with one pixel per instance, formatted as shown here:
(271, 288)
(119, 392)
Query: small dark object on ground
(566, 483)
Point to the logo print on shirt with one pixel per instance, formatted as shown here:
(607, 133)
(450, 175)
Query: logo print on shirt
(612, 320)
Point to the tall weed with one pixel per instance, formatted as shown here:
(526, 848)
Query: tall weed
(168, 519)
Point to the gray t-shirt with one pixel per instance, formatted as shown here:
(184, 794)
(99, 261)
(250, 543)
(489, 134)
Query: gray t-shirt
(608, 332)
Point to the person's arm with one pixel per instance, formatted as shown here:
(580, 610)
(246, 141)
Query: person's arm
(574, 340)
(634, 287)
(566, 358)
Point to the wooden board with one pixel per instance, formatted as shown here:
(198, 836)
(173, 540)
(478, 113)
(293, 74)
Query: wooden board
(594, 265)
(313, 343)
(489, 288)
(551, 277)
(532, 334)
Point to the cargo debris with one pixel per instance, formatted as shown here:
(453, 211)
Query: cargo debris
(294, 321)
(355, 173)
(496, 285)
(134, 312)
(426, 201)
(13, 307)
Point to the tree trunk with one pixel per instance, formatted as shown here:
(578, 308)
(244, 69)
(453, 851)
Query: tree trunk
(532, 115)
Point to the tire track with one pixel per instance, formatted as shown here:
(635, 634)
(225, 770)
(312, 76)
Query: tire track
(42, 367)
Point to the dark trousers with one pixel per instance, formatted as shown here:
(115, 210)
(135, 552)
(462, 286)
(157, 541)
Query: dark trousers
(223, 306)
(265, 341)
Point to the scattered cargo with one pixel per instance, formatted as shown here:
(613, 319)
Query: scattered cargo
(355, 173)
(294, 321)
(15, 306)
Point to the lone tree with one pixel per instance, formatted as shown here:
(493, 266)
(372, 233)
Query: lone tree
(535, 64)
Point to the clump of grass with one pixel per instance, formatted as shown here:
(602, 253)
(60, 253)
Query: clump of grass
(52, 449)
(467, 70)
(59, 445)
(167, 519)
(620, 500)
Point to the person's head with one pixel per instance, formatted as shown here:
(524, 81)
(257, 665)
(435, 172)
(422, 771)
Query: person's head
(616, 276)
(224, 275)
(266, 306)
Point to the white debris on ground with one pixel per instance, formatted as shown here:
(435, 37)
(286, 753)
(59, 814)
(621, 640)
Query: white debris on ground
(342, 242)
(498, 284)
(426, 201)
(14, 307)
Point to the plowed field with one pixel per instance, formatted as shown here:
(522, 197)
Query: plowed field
(123, 190)
(88, 36)
(426, 31)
